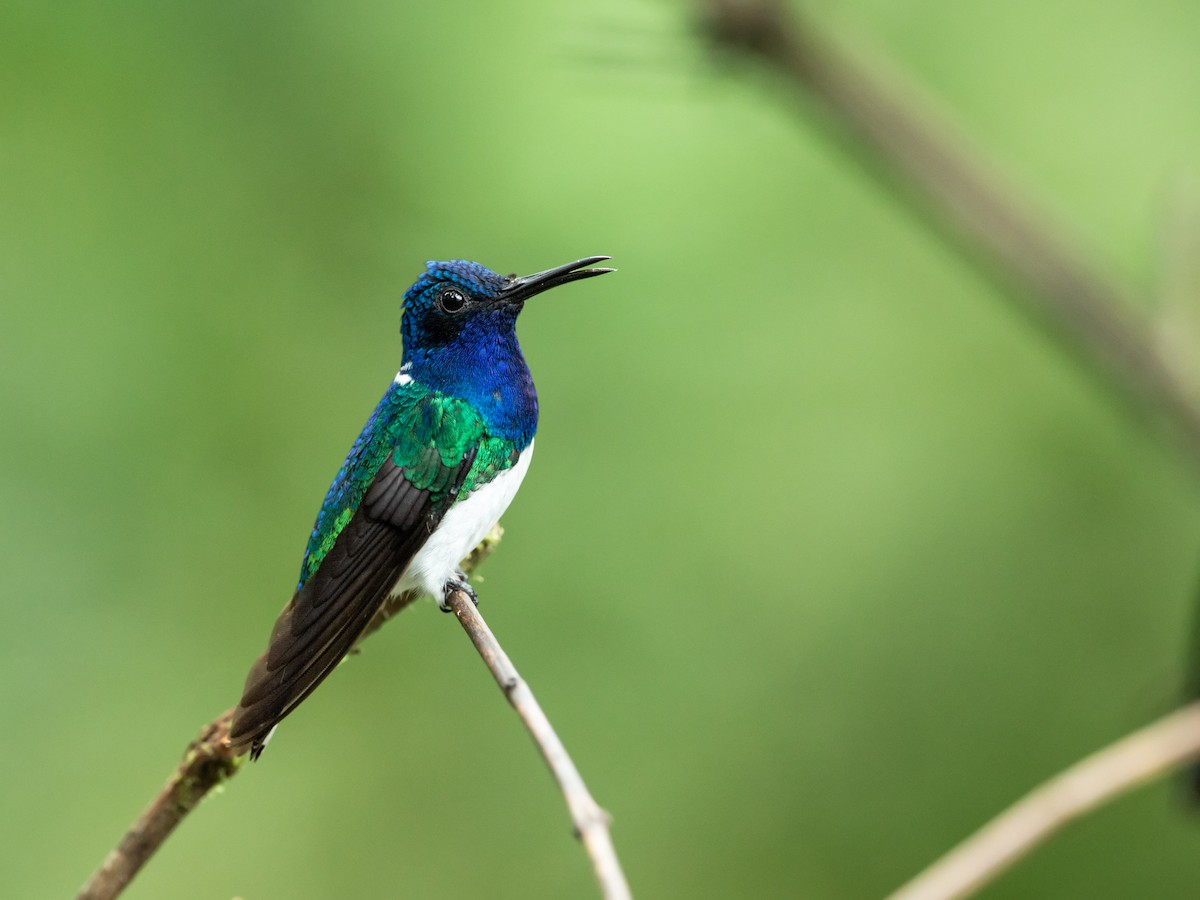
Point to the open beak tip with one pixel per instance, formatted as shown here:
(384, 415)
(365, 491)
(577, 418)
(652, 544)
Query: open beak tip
(524, 287)
(587, 266)
(589, 272)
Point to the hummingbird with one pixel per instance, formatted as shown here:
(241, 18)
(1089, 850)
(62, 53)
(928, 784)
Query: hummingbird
(436, 465)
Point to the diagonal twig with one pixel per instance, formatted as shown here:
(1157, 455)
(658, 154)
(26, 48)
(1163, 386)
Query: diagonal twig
(209, 762)
(589, 819)
(1160, 747)
(933, 169)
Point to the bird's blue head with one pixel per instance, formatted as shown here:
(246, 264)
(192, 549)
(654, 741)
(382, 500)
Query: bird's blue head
(459, 329)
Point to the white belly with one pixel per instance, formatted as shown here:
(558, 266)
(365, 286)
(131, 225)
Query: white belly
(461, 530)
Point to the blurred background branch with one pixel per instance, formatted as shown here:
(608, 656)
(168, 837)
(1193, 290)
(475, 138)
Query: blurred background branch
(934, 169)
(1161, 747)
(1177, 312)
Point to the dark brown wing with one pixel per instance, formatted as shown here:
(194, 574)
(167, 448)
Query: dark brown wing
(326, 616)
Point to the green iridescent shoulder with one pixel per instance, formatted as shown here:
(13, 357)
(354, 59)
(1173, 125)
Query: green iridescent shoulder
(495, 455)
(428, 434)
(432, 444)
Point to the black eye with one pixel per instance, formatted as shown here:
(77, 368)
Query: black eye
(451, 300)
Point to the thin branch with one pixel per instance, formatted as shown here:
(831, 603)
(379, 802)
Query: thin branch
(209, 762)
(933, 169)
(1171, 742)
(590, 821)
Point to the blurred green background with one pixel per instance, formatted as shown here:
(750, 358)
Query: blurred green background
(827, 554)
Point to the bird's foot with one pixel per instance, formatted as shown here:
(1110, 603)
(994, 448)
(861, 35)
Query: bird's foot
(458, 583)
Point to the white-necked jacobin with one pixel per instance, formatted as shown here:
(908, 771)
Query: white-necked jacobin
(438, 462)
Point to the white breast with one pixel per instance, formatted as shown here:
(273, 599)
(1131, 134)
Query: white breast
(462, 528)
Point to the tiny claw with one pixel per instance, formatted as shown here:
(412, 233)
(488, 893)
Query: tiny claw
(458, 583)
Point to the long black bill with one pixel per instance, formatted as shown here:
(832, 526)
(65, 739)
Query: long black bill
(524, 287)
